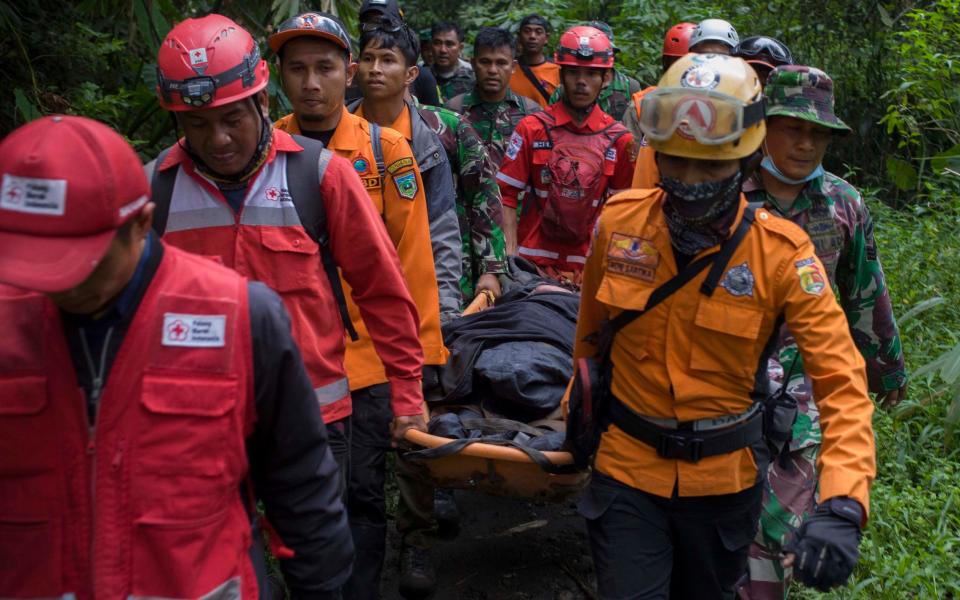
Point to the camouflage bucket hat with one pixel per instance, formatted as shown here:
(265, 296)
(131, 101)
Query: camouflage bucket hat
(802, 93)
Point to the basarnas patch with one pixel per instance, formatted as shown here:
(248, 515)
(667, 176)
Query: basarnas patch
(739, 280)
(632, 256)
(811, 276)
(406, 185)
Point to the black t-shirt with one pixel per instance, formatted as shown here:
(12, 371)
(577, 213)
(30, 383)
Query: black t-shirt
(321, 136)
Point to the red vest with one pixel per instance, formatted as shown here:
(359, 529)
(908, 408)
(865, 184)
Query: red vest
(147, 504)
(266, 242)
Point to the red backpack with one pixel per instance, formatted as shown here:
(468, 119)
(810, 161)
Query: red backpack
(575, 172)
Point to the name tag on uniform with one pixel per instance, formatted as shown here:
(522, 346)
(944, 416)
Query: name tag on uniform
(194, 331)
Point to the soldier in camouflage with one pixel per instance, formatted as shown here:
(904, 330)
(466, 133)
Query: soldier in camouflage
(615, 97)
(792, 183)
(479, 207)
(492, 107)
(454, 76)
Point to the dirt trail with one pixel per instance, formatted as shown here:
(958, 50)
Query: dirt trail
(507, 549)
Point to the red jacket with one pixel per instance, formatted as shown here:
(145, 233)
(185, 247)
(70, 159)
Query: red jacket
(148, 503)
(524, 167)
(266, 242)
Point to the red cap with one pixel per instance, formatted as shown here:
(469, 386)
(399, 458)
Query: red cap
(66, 185)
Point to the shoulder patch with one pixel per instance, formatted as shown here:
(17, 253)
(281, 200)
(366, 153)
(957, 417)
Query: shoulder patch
(399, 164)
(513, 148)
(406, 185)
(810, 274)
(784, 228)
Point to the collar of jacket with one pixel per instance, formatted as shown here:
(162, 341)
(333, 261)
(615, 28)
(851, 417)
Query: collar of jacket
(426, 145)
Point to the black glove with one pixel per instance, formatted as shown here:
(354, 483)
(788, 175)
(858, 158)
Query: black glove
(826, 545)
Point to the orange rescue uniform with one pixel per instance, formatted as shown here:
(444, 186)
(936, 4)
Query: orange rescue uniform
(548, 72)
(408, 227)
(694, 357)
(646, 175)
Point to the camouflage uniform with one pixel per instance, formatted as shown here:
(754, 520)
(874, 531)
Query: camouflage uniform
(461, 82)
(479, 207)
(494, 122)
(837, 221)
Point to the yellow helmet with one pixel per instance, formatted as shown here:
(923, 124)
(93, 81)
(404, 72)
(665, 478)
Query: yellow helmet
(707, 106)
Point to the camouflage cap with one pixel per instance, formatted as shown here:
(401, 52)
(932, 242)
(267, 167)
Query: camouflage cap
(607, 31)
(802, 93)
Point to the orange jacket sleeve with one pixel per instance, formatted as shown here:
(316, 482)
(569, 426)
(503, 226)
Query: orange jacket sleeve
(369, 263)
(847, 461)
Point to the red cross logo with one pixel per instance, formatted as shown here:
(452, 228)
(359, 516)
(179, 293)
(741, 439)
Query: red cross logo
(273, 193)
(196, 54)
(178, 331)
(14, 194)
(694, 114)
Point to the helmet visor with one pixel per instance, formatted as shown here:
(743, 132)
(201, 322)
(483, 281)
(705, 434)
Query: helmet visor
(711, 118)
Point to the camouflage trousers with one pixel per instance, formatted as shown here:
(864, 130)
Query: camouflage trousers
(789, 493)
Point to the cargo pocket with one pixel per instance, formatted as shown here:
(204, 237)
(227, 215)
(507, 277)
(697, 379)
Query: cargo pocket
(188, 426)
(737, 531)
(597, 498)
(293, 262)
(179, 558)
(30, 558)
(23, 404)
(725, 338)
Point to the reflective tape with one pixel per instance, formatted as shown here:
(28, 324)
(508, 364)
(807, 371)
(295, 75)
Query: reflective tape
(201, 218)
(511, 181)
(537, 252)
(228, 590)
(331, 392)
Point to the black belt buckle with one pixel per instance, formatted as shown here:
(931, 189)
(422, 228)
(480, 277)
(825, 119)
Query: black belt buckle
(679, 446)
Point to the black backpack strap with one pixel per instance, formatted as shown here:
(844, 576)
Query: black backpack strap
(161, 192)
(528, 72)
(305, 171)
(377, 147)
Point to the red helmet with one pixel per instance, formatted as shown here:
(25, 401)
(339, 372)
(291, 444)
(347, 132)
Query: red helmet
(584, 46)
(208, 62)
(677, 40)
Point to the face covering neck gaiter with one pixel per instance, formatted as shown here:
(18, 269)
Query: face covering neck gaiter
(771, 167)
(699, 215)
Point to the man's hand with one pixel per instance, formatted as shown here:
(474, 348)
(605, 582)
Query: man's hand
(400, 426)
(488, 282)
(892, 398)
(825, 549)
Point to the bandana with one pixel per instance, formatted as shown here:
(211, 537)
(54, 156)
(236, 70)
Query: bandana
(699, 215)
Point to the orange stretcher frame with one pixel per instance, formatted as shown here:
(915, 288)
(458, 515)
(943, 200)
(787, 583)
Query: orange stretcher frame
(496, 470)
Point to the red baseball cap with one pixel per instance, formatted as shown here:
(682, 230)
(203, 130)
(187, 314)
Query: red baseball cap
(66, 185)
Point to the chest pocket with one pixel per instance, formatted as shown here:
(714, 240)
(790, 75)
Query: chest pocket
(826, 237)
(725, 338)
(293, 261)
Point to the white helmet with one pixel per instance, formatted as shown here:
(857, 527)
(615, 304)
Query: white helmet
(715, 30)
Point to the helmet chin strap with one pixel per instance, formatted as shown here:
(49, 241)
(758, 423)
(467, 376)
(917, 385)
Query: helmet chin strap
(580, 114)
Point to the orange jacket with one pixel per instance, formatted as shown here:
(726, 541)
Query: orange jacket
(547, 72)
(694, 357)
(408, 228)
(646, 175)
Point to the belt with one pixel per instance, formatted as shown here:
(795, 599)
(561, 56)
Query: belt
(691, 440)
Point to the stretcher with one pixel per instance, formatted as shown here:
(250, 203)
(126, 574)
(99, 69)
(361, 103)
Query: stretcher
(500, 468)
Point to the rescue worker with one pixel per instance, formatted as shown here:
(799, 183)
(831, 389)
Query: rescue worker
(573, 155)
(492, 107)
(764, 54)
(714, 36)
(149, 398)
(236, 199)
(675, 494)
(452, 76)
(315, 65)
(388, 51)
(615, 96)
(536, 76)
(793, 184)
(424, 87)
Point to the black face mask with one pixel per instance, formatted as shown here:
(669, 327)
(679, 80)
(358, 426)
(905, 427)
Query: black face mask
(699, 215)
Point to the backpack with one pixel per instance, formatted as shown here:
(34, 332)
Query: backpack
(576, 170)
(305, 171)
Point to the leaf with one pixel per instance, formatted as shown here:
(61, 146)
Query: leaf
(948, 159)
(919, 308)
(26, 108)
(951, 366)
(885, 16)
(901, 173)
(931, 366)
